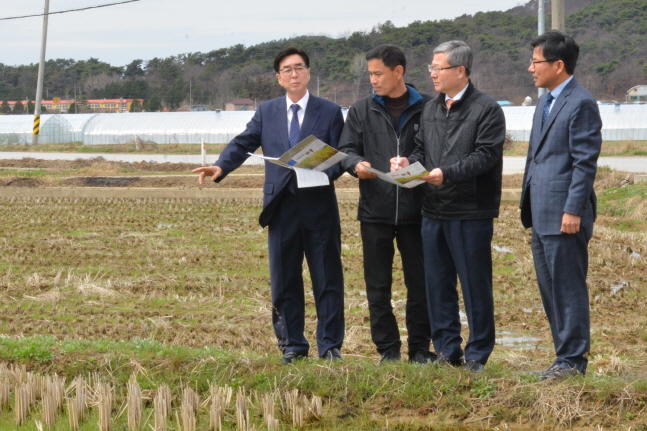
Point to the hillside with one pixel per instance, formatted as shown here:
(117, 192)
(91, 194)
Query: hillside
(612, 35)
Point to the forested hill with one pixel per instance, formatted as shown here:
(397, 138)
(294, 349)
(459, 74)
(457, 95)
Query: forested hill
(612, 35)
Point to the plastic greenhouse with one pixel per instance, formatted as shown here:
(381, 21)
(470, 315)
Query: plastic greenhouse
(620, 122)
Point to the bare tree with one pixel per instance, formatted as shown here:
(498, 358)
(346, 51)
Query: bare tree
(98, 82)
(358, 70)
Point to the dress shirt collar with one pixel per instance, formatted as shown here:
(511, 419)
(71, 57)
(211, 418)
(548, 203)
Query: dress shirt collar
(558, 90)
(458, 96)
(303, 102)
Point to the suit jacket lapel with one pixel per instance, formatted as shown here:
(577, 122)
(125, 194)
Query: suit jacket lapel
(281, 123)
(558, 104)
(310, 119)
(535, 135)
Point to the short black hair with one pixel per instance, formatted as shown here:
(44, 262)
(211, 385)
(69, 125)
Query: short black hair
(391, 56)
(288, 52)
(556, 45)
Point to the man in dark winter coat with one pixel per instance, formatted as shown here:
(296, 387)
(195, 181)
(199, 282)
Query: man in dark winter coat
(378, 128)
(460, 142)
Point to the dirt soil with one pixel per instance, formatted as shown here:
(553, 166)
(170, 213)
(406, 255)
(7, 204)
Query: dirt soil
(99, 172)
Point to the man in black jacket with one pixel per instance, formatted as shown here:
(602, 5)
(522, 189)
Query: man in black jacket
(378, 128)
(461, 143)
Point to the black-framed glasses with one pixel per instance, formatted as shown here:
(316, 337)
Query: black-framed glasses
(534, 62)
(437, 69)
(299, 69)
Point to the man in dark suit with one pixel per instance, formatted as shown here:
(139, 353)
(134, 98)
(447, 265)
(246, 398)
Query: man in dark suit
(301, 221)
(558, 200)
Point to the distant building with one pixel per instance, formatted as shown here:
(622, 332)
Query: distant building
(240, 105)
(637, 94)
(92, 105)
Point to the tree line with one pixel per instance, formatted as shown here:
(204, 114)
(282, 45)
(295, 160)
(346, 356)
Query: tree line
(612, 35)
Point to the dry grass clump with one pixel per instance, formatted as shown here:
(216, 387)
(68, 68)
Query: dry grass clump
(31, 390)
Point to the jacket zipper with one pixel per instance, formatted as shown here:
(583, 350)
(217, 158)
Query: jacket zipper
(397, 142)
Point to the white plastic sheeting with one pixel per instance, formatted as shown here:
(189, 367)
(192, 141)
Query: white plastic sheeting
(214, 127)
(619, 122)
(54, 129)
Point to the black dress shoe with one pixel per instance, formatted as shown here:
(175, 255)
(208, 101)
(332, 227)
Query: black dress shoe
(290, 356)
(473, 366)
(422, 357)
(441, 360)
(559, 373)
(332, 355)
(545, 372)
(390, 356)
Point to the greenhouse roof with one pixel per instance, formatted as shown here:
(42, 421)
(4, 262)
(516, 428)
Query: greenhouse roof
(620, 122)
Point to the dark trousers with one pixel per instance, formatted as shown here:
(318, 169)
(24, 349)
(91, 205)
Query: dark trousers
(377, 243)
(561, 264)
(288, 242)
(460, 248)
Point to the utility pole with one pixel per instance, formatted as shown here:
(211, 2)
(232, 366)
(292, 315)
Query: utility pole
(541, 29)
(41, 77)
(559, 16)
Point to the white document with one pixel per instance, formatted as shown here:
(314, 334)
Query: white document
(308, 159)
(405, 177)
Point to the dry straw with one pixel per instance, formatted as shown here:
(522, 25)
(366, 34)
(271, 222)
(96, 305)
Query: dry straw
(5, 386)
(189, 409)
(134, 404)
(52, 399)
(242, 412)
(220, 399)
(76, 407)
(22, 401)
(104, 405)
(267, 403)
(300, 409)
(162, 403)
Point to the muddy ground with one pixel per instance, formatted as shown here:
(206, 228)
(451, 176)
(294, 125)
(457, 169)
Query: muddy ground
(102, 173)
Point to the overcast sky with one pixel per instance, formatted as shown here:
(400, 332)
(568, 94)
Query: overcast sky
(160, 28)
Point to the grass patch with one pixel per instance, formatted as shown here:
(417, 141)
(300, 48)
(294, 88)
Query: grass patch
(627, 205)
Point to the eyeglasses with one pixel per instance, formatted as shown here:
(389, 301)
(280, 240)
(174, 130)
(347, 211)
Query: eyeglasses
(438, 69)
(534, 62)
(299, 69)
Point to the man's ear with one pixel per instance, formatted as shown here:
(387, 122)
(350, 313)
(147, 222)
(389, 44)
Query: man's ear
(561, 67)
(399, 70)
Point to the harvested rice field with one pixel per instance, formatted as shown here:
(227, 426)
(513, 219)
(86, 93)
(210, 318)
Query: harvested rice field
(132, 314)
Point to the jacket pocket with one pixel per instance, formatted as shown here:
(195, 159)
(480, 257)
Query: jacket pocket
(268, 189)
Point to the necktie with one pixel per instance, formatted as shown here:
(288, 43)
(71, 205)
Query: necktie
(449, 103)
(294, 126)
(549, 100)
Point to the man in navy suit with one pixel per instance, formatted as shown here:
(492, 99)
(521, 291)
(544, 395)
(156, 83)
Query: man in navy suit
(301, 221)
(558, 200)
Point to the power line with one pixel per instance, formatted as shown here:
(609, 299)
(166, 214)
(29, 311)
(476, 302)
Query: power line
(69, 10)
